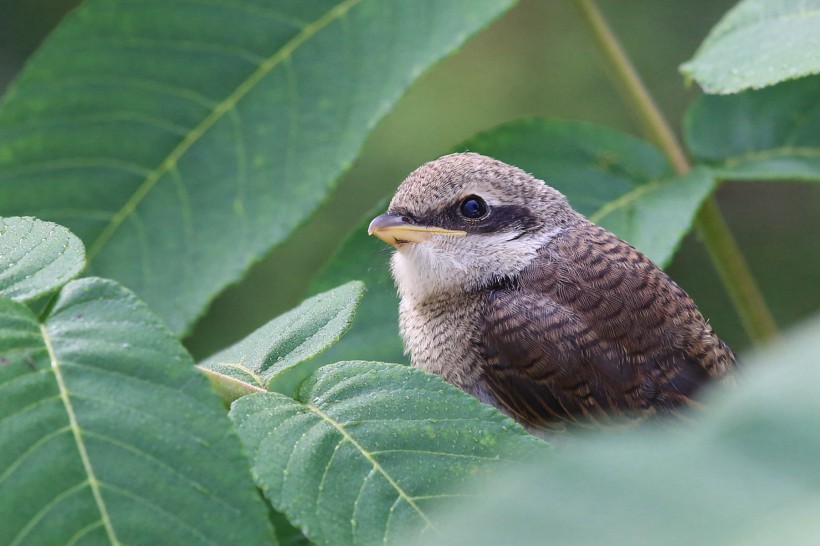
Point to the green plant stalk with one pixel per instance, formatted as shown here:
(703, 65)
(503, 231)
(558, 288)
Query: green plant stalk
(719, 242)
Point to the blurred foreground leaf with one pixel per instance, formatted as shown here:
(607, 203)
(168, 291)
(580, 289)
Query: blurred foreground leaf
(759, 43)
(181, 140)
(273, 357)
(36, 257)
(110, 436)
(747, 473)
(769, 134)
(370, 453)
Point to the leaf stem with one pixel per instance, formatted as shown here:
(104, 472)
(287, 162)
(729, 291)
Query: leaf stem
(734, 272)
(719, 242)
(228, 388)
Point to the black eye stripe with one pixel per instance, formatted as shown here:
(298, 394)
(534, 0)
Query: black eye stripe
(505, 217)
(502, 217)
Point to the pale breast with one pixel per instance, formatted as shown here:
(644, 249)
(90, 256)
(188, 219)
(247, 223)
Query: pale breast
(441, 337)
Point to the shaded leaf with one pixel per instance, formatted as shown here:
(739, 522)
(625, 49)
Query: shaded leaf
(21, 345)
(286, 533)
(36, 257)
(182, 140)
(759, 135)
(109, 433)
(368, 453)
(616, 180)
(758, 43)
(375, 330)
(746, 473)
(273, 357)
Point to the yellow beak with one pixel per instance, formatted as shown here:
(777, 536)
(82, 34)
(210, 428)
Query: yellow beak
(394, 230)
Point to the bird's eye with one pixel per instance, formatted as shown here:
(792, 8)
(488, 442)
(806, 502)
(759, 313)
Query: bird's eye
(473, 207)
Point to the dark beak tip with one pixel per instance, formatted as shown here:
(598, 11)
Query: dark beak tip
(374, 224)
(386, 220)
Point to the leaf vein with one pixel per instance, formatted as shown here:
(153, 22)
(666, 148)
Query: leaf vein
(215, 115)
(73, 163)
(376, 465)
(772, 153)
(82, 532)
(31, 523)
(169, 45)
(158, 508)
(160, 463)
(359, 496)
(252, 9)
(624, 200)
(437, 453)
(32, 449)
(56, 366)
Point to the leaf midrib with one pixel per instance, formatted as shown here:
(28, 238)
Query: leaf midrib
(376, 465)
(218, 111)
(771, 153)
(93, 482)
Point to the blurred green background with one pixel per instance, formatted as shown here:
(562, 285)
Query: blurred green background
(539, 59)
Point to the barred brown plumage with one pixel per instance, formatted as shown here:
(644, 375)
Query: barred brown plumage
(534, 309)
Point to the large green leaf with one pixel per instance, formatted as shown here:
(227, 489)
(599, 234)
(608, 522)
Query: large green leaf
(36, 257)
(182, 139)
(375, 330)
(369, 453)
(746, 473)
(616, 180)
(759, 43)
(274, 356)
(110, 436)
(769, 134)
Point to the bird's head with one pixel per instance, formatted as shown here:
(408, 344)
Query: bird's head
(465, 221)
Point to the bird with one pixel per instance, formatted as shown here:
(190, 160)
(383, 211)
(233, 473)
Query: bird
(512, 296)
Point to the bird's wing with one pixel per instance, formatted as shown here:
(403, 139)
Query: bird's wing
(591, 337)
(546, 366)
(629, 302)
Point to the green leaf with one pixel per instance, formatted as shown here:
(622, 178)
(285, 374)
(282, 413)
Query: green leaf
(758, 43)
(369, 452)
(36, 257)
(110, 436)
(769, 134)
(746, 473)
(616, 180)
(375, 330)
(274, 356)
(20, 343)
(182, 140)
(286, 533)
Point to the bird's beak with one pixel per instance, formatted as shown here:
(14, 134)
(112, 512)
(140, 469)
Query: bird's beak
(395, 230)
